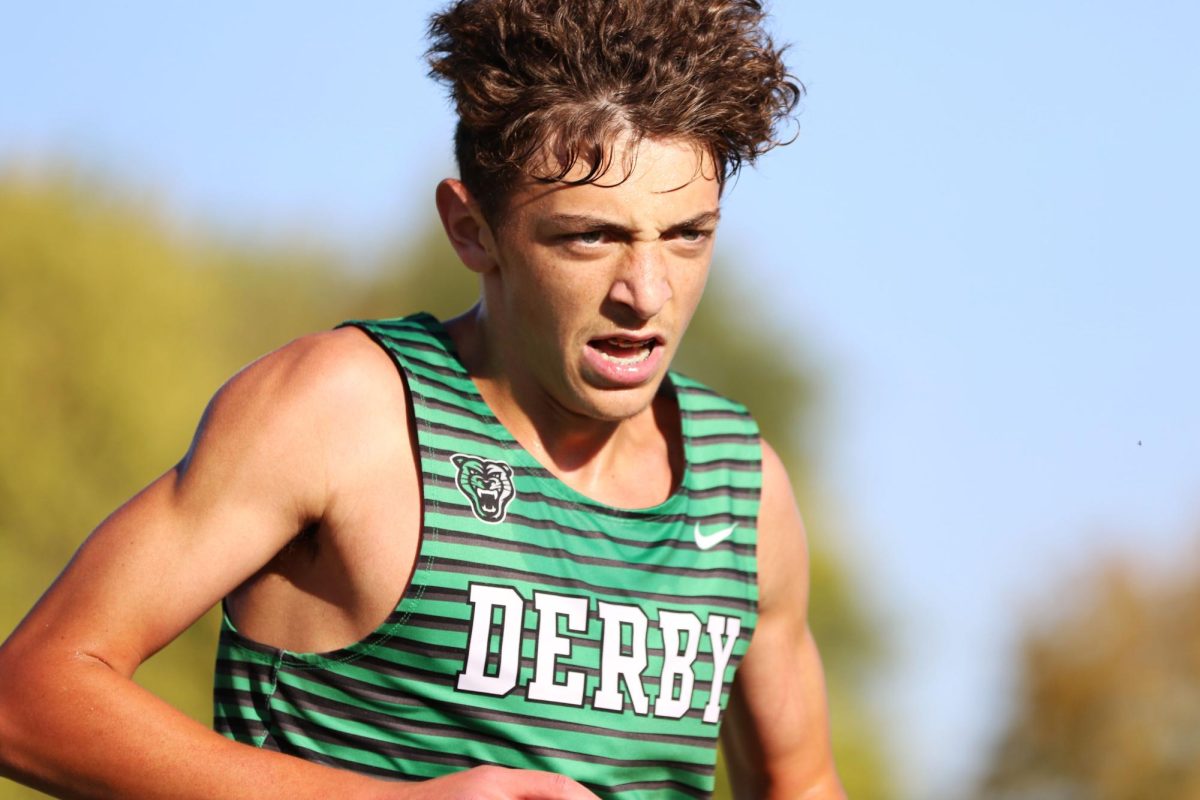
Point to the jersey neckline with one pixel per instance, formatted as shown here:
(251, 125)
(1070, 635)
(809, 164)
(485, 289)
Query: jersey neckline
(670, 505)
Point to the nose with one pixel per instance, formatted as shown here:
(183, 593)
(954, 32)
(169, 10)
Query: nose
(641, 284)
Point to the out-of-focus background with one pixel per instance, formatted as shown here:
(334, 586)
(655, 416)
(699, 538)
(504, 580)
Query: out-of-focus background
(962, 304)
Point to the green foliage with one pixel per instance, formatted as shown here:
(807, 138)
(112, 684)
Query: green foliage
(1108, 705)
(117, 328)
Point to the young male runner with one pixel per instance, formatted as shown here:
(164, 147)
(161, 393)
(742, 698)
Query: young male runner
(507, 556)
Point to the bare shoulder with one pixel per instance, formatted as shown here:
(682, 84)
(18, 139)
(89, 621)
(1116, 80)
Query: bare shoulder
(782, 542)
(334, 373)
(282, 436)
(301, 399)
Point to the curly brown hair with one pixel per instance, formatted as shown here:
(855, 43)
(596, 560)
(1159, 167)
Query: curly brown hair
(569, 77)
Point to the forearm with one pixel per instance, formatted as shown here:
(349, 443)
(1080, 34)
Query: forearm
(79, 729)
(91, 733)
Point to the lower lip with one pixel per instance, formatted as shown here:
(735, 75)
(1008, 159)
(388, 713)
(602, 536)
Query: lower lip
(620, 373)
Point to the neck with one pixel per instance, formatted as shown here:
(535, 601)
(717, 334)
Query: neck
(584, 452)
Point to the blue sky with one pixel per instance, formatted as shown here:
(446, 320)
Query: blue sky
(984, 239)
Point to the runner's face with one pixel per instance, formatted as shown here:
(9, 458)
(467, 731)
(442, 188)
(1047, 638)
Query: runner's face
(594, 285)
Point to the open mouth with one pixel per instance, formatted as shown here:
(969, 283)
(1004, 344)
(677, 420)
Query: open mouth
(620, 350)
(489, 500)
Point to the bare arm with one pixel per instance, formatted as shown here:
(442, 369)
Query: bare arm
(776, 731)
(263, 465)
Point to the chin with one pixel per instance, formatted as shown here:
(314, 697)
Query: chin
(617, 405)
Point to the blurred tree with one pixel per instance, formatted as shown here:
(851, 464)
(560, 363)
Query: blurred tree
(117, 328)
(1108, 703)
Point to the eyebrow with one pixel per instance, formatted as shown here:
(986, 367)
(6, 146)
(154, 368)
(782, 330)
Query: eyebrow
(595, 223)
(700, 220)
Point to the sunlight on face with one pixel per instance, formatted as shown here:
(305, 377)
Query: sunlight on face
(595, 284)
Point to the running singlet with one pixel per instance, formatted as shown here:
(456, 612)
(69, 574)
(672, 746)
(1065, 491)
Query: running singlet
(540, 629)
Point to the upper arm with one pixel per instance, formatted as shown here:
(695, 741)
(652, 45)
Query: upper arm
(256, 473)
(776, 734)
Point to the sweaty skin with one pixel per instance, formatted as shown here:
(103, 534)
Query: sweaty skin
(586, 293)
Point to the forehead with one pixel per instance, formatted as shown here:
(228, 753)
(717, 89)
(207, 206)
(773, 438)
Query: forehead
(644, 182)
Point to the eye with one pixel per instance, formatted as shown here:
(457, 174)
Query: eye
(694, 235)
(588, 237)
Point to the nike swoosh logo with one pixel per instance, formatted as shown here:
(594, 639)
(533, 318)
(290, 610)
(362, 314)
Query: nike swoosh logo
(711, 540)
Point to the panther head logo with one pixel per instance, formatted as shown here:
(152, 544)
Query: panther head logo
(487, 484)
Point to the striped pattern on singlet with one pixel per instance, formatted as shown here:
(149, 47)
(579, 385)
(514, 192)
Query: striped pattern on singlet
(541, 629)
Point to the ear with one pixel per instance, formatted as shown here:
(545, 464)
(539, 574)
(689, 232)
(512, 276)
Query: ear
(465, 227)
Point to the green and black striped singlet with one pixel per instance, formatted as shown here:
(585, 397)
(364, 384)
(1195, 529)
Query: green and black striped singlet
(540, 629)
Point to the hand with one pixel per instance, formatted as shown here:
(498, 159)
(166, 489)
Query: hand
(498, 783)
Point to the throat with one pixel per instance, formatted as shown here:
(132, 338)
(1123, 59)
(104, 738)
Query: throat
(636, 464)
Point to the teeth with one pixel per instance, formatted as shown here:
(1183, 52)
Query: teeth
(641, 355)
(625, 352)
